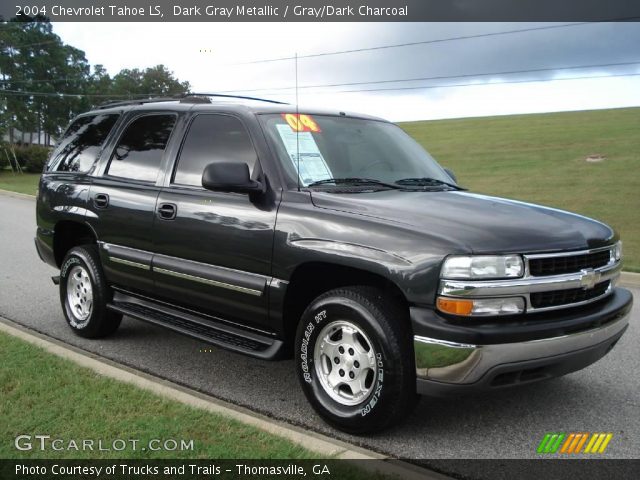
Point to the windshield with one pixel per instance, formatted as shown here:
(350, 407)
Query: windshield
(331, 147)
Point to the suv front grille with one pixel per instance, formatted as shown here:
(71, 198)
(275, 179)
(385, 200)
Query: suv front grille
(558, 265)
(565, 297)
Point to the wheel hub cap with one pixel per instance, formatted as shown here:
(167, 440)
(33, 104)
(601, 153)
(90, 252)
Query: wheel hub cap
(79, 296)
(345, 362)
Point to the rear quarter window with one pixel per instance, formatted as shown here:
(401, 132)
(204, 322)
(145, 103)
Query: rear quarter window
(82, 143)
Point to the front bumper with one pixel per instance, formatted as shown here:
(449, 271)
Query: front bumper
(445, 365)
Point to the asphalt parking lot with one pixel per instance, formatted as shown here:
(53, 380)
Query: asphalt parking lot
(507, 424)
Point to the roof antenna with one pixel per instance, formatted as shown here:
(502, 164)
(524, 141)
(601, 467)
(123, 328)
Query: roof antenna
(297, 122)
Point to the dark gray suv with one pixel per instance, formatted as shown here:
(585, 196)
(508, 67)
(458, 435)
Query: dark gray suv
(327, 236)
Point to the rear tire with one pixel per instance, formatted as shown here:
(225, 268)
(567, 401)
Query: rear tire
(84, 294)
(354, 359)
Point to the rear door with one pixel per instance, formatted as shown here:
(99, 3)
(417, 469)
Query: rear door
(213, 249)
(64, 189)
(123, 199)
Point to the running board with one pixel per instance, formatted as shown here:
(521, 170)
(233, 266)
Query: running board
(200, 328)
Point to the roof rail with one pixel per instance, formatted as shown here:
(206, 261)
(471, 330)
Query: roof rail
(191, 98)
(139, 101)
(242, 97)
(183, 98)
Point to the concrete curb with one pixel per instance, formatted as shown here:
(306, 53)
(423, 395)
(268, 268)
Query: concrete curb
(322, 444)
(9, 193)
(630, 279)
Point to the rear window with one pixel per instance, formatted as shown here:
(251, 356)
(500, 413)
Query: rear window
(82, 143)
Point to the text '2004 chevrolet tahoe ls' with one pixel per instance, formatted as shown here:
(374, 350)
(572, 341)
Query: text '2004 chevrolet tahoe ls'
(331, 237)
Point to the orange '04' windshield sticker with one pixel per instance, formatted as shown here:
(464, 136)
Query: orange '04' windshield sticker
(301, 122)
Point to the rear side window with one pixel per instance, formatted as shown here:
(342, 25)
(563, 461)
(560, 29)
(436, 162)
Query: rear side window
(211, 139)
(78, 150)
(140, 149)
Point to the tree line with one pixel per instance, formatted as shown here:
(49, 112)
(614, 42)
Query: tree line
(44, 82)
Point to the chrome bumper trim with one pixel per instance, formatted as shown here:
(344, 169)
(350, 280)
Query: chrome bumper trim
(460, 364)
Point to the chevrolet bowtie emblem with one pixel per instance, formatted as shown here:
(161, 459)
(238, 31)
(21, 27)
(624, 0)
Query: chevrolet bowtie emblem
(589, 278)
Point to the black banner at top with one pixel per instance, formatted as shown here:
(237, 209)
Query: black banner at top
(325, 10)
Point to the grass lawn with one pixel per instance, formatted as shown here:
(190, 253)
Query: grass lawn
(42, 394)
(541, 158)
(19, 182)
(45, 395)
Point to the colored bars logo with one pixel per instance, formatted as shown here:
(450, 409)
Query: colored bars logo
(574, 442)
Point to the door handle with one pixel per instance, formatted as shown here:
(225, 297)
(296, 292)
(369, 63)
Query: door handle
(167, 211)
(101, 200)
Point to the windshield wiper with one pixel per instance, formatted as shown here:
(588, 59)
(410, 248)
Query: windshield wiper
(426, 182)
(354, 181)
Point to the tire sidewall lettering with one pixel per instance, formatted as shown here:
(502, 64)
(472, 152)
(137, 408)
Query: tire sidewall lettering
(377, 392)
(305, 361)
(68, 264)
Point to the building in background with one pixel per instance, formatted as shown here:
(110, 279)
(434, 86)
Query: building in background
(28, 138)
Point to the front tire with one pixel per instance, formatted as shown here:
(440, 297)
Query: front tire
(354, 359)
(84, 294)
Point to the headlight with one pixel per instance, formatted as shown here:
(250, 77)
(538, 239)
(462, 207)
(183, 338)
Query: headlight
(479, 267)
(617, 251)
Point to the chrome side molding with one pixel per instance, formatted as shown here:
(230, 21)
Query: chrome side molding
(208, 281)
(216, 276)
(129, 263)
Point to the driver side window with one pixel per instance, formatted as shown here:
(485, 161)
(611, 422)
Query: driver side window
(213, 138)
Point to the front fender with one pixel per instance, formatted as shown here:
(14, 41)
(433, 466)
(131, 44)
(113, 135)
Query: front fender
(409, 259)
(351, 251)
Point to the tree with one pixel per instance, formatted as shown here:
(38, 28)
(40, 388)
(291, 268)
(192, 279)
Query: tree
(46, 83)
(153, 81)
(99, 82)
(39, 72)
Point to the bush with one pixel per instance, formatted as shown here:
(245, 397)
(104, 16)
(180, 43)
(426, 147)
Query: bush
(32, 158)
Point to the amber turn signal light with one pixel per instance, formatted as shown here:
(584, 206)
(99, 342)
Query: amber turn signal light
(455, 306)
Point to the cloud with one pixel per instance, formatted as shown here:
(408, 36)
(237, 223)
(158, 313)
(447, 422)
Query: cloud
(178, 46)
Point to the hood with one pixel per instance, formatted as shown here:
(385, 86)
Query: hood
(477, 223)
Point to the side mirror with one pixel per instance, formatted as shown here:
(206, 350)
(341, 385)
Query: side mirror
(229, 177)
(451, 174)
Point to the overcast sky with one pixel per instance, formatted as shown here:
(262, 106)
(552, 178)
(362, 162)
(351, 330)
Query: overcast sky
(208, 56)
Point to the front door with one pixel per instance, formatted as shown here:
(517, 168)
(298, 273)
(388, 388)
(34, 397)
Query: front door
(213, 249)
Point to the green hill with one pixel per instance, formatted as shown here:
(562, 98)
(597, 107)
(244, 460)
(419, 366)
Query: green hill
(542, 158)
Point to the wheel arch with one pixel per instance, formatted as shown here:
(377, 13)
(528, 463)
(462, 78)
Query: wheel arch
(68, 234)
(327, 276)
